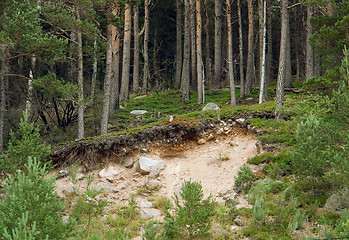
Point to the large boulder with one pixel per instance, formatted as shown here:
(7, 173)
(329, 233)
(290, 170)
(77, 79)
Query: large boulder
(147, 213)
(211, 106)
(147, 165)
(111, 171)
(138, 112)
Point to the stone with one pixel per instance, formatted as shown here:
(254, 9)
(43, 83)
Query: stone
(79, 176)
(146, 165)
(232, 228)
(138, 112)
(144, 204)
(153, 184)
(220, 131)
(120, 186)
(105, 187)
(238, 221)
(240, 121)
(62, 173)
(201, 141)
(210, 137)
(65, 219)
(338, 201)
(141, 96)
(233, 144)
(111, 171)
(148, 213)
(128, 162)
(222, 193)
(211, 106)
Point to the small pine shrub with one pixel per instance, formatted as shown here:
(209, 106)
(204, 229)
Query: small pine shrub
(244, 179)
(193, 218)
(30, 200)
(23, 143)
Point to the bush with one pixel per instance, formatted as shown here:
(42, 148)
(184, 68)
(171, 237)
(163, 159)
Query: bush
(23, 143)
(30, 200)
(193, 218)
(244, 179)
(342, 226)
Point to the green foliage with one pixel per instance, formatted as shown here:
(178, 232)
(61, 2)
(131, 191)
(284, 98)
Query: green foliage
(261, 188)
(342, 226)
(30, 200)
(263, 158)
(260, 210)
(193, 218)
(152, 231)
(245, 178)
(311, 155)
(23, 143)
(297, 222)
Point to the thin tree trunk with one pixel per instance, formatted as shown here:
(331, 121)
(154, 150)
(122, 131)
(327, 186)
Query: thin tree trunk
(250, 56)
(282, 59)
(94, 69)
(186, 58)
(241, 52)
(146, 72)
(193, 43)
(309, 62)
(288, 74)
(135, 87)
(114, 82)
(28, 105)
(218, 40)
(269, 56)
(3, 72)
(317, 65)
(81, 129)
(108, 72)
(230, 56)
(179, 43)
(125, 78)
(262, 90)
(208, 72)
(200, 79)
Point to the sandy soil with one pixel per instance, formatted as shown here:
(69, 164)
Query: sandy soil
(214, 164)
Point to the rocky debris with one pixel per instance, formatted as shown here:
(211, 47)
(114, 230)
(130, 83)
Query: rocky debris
(140, 96)
(220, 131)
(201, 141)
(79, 176)
(233, 144)
(338, 201)
(62, 173)
(241, 121)
(153, 184)
(238, 221)
(259, 147)
(144, 204)
(121, 186)
(111, 171)
(105, 187)
(210, 137)
(211, 106)
(222, 193)
(65, 219)
(128, 162)
(148, 213)
(146, 165)
(138, 112)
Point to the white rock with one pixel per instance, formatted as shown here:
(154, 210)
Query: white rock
(128, 162)
(211, 106)
(111, 171)
(144, 204)
(146, 165)
(106, 187)
(149, 213)
(138, 112)
(201, 141)
(79, 176)
(240, 121)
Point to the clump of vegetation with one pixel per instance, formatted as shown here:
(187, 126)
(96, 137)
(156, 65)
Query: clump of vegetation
(244, 179)
(192, 219)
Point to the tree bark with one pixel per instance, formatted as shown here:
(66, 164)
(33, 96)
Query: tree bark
(241, 53)
(218, 40)
(107, 79)
(208, 71)
(186, 58)
(125, 77)
(262, 90)
(179, 43)
(3, 72)
(146, 72)
(230, 56)
(81, 130)
(269, 56)
(94, 70)
(193, 47)
(250, 56)
(282, 59)
(135, 86)
(200, 79)
(114, 82)
(309, 66)
(28, 105)
(288, 70)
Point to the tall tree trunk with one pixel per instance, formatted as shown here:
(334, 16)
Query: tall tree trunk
(186, 58)
(250, 56)
(282, 59)
(28, 105)
(125, 77)
(208, 72)
(94, 69)
(193, 47)
(81, 130)
(288, 73)
(317, 65)
(200, 79)
(218, 40)
(309, 62)
(179, 43)
(269, 56)
(3, 72)
(114, 82)
(230, 56)
(135, 86)
(262, 90)
(107, 79)
(146, 72)
(241, 53)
